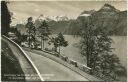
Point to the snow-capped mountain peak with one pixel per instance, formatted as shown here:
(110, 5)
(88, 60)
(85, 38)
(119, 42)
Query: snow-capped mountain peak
(86, 15)
(54, 18)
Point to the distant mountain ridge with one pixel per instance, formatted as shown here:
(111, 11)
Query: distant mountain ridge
(112, 20)
(53, 18)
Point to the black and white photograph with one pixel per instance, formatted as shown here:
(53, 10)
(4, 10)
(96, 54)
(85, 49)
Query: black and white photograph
(66, 40)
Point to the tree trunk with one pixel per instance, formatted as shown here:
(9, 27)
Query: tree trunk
(88, 54)
(41, 42)
(55, 48)
(34, 40)
(59, 49)
(29, 40)
(88, 61)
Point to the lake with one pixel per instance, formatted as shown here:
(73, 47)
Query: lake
(73, 52)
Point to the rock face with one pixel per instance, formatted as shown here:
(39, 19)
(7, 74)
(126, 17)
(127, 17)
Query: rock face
(113, 21)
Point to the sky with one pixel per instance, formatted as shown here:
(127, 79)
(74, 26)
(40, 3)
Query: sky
(24, 9)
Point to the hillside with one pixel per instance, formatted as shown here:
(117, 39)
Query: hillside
(55, 26)
(113, 21)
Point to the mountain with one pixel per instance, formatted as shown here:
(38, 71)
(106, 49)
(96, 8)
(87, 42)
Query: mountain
(54, 26)
(53, 18)
(113, 21)
(56, 23)
(108, 18)
(108, 8)
(87, 13)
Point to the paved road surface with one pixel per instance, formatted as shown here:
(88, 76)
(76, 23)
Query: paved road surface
(25, 65)
(53, 71)
(49, 69)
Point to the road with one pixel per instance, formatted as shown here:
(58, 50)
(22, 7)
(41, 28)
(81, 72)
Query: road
(49, 69)
(53, 71)
(23, 61)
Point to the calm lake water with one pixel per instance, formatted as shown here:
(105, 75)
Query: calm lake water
(72, 51)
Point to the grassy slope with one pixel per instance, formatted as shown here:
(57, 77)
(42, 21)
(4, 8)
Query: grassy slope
(9, 64)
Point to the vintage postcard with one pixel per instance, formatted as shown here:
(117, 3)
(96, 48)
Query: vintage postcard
(52, 40)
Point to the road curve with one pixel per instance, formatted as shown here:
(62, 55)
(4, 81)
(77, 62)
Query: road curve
(25, 64)
(53, 71)
(49, 69)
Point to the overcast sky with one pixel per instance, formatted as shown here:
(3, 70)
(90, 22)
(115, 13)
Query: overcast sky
(24, 9)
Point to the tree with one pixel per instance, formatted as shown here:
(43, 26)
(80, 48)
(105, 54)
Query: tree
(105, 63)
(96, 46)
(5, 18)
(31, 31)
(20, 37)
(43, 32)
(59, 41)
(88, 42)
(18, 40)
